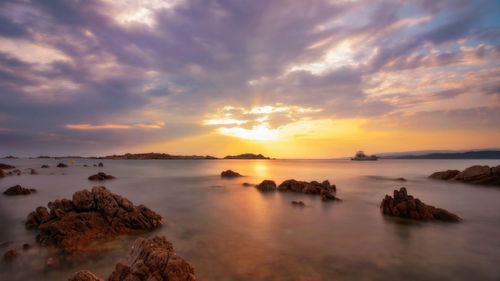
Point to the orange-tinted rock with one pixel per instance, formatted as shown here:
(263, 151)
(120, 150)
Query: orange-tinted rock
(10, 255)
(325, 189)
(90, 216)
(405, 206)
(18, 190)
(84, 275)
(229, 174)
(475, 174)
(266, 185)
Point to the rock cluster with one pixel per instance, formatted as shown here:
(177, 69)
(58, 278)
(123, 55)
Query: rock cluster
(325, 189)
(89, 216)
(62, 165)
(266, 185)
(229, 174)
(100, 177)
(18, 190)
(405, 206)
(151, 259)
(475, 174)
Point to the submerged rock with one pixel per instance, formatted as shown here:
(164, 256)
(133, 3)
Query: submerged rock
(100, 164)
(475, 174)
(62, 165)
(33, 172)
(149, 259)
(246, 184)
(229, 174)
(100, 177)
(10, 255)
(45, 166)
(18, 190)
(91, 215)
(298, 203)
(405, 206)
(266, 185)
(6, 166)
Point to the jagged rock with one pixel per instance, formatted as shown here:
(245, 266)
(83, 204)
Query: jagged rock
(18, 190)
(62, 165)
(475, 174)
(45, 166)
(100, 164)
(405, 206)
(100, 177)
(266, 185)
(10, 255)
(91, 215)
(313, 187)
(149, 259)
(84, 275)
(445, 175)
(298, 203)
(229, 174)
(6, 166)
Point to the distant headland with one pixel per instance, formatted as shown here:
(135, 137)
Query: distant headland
(476, 154)
(153, 156)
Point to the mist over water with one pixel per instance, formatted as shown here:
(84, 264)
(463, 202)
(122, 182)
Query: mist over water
(231, 232)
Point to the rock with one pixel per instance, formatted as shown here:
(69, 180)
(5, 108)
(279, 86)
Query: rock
(18, 190)
(10, 255)
(26, 246)
(85, 165)
(325, 189)
(267, 185)
(14, 172)
(100, 164)
(84, 275)
(229, 174)
(91, 215)
(298, 203)
(328, 196)
(33, 172)
(52, 262)
(45, 166)
(2, 173)
(100, 177)
(444, 175)
(246, 184)
(475, 174)
(62, 165)
(6, 166)
(149, 259)
(405, 206)
(153, 258)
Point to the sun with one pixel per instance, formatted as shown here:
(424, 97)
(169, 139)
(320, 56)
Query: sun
(259, 132)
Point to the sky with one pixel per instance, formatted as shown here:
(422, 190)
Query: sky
(288, 79)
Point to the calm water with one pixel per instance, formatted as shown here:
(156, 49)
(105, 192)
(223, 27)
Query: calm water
(230, 232)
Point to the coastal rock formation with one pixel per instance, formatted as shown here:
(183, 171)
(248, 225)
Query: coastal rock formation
(100, 177)
(475, 174)
(153, 155)
(6, 166)
(266, 185)
(150, 259)
(62, 165)
(91, 215)
(45, 166)
(325, 189)
(18, 190)
(405, 206)
(229, 174)
(246, 156)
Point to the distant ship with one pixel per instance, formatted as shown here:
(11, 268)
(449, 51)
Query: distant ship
(361, 156)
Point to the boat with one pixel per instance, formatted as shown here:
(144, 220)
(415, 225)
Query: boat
(361, 156)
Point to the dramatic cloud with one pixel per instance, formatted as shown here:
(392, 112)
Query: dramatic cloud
(88, 77)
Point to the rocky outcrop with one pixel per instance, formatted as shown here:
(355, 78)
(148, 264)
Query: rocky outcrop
(6, 166)
(100, 177)
(325, 189)
(266, 185)
(149, 259)
(229, 174)
(62, 165)
(246, 156)
(91, 215)
(405, 206)
(475, 174)
(18, 190)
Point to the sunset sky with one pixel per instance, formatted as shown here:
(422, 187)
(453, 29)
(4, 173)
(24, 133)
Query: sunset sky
(290, 79)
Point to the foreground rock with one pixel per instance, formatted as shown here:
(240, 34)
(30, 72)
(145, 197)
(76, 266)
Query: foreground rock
(229, 174)
(266, 185)
(100, 177)
(18, 190)
(474, 174)
(6, 166)
(91, 215)
(325, 189)
(152, 259)
(405, 206)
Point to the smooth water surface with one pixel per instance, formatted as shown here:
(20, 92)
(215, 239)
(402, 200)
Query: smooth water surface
(231, 232)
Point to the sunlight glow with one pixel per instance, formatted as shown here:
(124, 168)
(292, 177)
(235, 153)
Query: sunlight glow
(259, 132)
